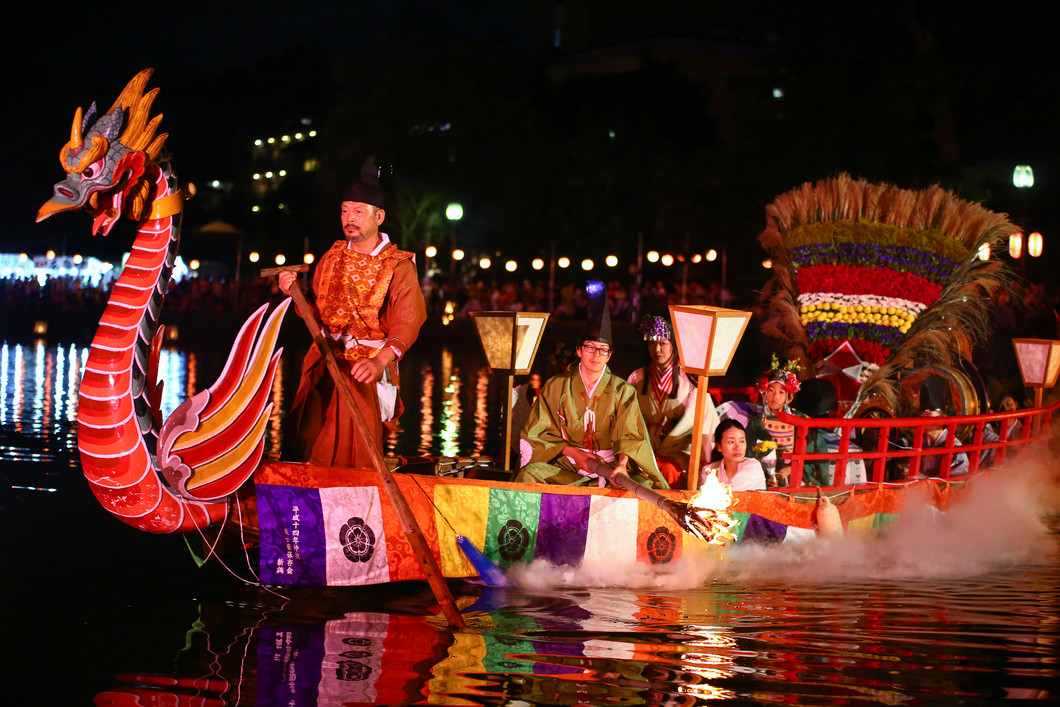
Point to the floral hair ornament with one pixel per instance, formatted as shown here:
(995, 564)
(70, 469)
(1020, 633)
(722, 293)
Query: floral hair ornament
(781, 374)
(656, 329)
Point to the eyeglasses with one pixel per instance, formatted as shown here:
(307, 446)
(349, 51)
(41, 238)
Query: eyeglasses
(596, 350)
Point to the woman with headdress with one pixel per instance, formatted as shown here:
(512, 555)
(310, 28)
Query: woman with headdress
(769, 438)
(667, 400)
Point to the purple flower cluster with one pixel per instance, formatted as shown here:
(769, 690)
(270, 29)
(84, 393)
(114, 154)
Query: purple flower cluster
(926, 264)
(886, 336)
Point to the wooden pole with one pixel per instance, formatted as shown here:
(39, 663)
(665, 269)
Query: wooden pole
(393, 491)
(508, 422)
(697, 433)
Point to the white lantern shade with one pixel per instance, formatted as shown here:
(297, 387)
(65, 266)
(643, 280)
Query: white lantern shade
(1039, 361)
(510, 339)
(707, 337)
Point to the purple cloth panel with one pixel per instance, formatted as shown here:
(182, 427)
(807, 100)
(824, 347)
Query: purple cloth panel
(762, 530)
(293, 551)
(562, 527)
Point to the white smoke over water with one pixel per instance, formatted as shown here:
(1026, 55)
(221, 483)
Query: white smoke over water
(997, 521)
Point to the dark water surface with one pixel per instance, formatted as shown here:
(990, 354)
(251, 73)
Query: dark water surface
(958, 609)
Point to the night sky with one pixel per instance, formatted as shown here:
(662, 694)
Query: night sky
(999, 77)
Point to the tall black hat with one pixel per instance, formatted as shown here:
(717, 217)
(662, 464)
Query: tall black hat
(935, 394)
(367, 189)
(599, 326)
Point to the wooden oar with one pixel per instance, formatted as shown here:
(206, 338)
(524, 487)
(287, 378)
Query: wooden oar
(393, 491)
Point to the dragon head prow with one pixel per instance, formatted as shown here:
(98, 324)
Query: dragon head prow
(107, 159)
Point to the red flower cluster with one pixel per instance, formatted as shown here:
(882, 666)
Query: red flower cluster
(867, 351)
(866, 280)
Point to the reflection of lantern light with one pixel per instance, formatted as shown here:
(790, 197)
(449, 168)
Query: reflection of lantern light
(984, 251)
(511, 266)
(712, 255)
(667, 260)
(767, 264)
(485, 263)
(653, 256)
(1023, 176)
(458, 254)
(281, 259)
(538, 263)
(193, 264)
(563, 262)
(587, 264)
(1034, 244)
(308, 259)
(1015, 244)
(254, 257)
(430, 251)
(611, 260)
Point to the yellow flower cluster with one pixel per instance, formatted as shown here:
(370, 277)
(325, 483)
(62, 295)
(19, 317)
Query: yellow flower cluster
(871, 314)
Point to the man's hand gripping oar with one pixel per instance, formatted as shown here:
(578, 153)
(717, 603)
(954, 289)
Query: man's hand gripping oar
(683, 513)
(397, 499)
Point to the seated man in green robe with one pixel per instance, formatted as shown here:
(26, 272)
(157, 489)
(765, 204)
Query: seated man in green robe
(587, 412)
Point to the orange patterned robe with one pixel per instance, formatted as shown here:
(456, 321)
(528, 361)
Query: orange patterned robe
(359, 297)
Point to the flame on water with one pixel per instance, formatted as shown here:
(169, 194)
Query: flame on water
(712, 504)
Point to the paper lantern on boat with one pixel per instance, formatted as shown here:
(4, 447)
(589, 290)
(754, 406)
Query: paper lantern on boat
(1039, 361)
(510, 340)
(707, 338)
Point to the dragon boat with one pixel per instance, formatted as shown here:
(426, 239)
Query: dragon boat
(202, 470)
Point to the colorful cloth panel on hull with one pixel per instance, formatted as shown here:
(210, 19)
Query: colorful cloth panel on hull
(335, 527)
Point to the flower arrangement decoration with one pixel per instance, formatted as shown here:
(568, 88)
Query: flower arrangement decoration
(893, 271)
(764, 446)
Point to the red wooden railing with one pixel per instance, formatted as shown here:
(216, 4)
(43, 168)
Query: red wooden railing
(1034, 425)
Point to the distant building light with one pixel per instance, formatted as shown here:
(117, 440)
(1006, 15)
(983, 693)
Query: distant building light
(430, 251)
(258, 143)
(511, 266)
(308, 258)
(272, 141)
(268, 175)
(696, 257)
(563, 262)
(485, 263)
(611, 134)
(312, 133)
(667, 259)
(283, 172)
(281, 206)
(50, 255)
(611, 260)
(193, 264)
(537, 264)
(255, 208)
(778, 93)
(254, 256)
(286, 138)
(281, 259)
(458, 254)
(588, 264)
(299, 136)
(712, 255)
(767, 264)
(78, 259)
(257, 175)
(216, 184)
(653, 256)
